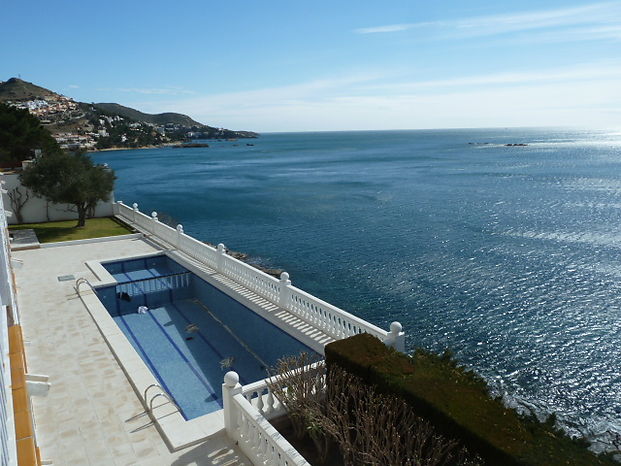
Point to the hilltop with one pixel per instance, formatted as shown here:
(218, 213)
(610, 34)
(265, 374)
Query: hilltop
(156, 119)
(17, 90)
(105, 125)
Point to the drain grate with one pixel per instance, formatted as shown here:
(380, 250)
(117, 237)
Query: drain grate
(65, 278)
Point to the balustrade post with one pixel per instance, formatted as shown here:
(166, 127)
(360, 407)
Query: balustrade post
(135, 209)
(116, 209)
(396, 337)
(230, 388)
(154, 221)
(179, 235)
(221, 258)
(285, 291)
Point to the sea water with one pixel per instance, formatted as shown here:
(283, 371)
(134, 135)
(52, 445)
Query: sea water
(508, 255)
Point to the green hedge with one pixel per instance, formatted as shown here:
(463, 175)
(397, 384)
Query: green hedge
(458, 403)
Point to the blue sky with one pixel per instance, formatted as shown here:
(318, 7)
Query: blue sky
(301, 66)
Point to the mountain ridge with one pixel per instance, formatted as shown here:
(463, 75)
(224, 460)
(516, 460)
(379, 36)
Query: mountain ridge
(106, 124)
(155, 118)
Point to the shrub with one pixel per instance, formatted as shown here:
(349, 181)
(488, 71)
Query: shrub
(458, 404)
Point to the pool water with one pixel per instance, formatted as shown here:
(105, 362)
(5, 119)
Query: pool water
(191, 333)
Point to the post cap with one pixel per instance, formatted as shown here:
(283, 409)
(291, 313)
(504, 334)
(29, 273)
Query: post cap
(221, 247)
(135, 206)
(154, 215)
(231, 379)
(180, 228)
(396, 327)
(284, 277)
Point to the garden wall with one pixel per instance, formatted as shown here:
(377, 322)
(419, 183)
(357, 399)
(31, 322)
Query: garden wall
(37, 209)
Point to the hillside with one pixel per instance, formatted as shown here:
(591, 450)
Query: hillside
(106, 125)
(17, 90)
(156, 119)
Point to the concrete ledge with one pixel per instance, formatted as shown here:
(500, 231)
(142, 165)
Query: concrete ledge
(101, 239)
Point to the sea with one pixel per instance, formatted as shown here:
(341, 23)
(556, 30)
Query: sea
(509, 256)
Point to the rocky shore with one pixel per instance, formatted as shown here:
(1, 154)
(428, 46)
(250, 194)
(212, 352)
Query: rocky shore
(242, 256)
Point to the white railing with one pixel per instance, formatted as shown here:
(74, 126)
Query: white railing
(261, 283)
(262, 399)
(254, 435)
(155, 284)
(332, 320)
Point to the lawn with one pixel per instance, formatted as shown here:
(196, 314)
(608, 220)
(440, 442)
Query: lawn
(50, 232)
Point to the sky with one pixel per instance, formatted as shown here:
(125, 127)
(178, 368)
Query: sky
(328, 65)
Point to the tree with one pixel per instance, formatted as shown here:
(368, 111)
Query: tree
(70, 178)
(18, 200)
(20, 134)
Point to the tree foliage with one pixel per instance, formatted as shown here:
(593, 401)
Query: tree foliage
(20, 134)
(70, 178)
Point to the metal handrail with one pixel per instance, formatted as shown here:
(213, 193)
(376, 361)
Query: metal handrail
(161, 393)
(167, 396)
(79, 282)
(139, 280)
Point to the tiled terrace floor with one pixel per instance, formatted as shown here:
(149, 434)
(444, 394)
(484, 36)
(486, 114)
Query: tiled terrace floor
(83, 420)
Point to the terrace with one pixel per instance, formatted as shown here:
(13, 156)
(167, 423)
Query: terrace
(106, 404)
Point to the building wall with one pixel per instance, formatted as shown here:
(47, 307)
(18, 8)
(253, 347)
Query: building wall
(38, 209)
(8, 313)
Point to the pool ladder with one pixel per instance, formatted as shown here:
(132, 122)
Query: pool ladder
(163, 393)
(81, 281)
(149, 404)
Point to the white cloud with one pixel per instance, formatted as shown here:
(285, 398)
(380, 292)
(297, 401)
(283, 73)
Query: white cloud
(73, 86)
(588, 95)
(597, 21)
(388, 28)
(149, 90)
(590, 71)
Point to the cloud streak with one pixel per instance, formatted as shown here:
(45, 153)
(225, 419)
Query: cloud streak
(149, 90)
(586, 95)
(597, 21)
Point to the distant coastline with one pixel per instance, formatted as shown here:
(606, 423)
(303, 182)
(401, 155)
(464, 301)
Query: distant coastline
(108, 149)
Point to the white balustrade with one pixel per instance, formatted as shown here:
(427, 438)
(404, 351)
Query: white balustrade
(332, 320)
(252, 432)
(197, 250)
(262, 399)
(261, 283)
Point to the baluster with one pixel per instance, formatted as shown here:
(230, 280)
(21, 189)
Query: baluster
(248, 396)
(324, 319)
(260, 401)
(270, 402)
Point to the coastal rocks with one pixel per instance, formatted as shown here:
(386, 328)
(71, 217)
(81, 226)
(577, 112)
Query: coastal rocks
(187, 146)
(242, 256)
(513, 144)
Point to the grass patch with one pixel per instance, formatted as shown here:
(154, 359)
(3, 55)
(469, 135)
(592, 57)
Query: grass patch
(457, 402)
(51, 232)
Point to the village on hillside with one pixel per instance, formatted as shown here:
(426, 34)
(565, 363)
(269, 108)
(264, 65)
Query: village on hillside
(84, 126)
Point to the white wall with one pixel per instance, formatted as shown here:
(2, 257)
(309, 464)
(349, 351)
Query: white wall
(38, 210)
(8, 304)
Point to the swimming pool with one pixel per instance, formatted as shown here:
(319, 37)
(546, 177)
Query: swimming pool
(190, 333)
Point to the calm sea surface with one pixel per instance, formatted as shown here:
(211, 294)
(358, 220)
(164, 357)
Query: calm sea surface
(510, 256)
